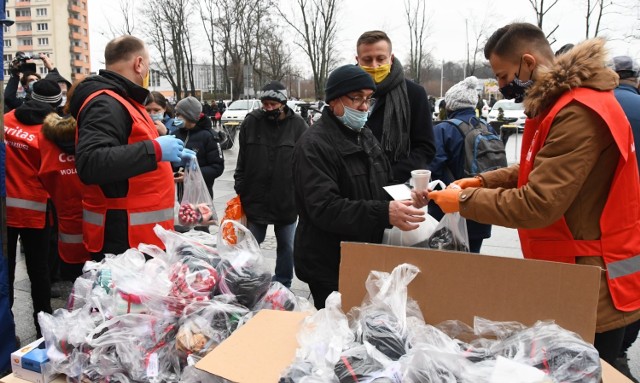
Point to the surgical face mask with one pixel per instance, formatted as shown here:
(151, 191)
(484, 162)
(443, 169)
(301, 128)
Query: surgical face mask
(158, 117)
(517, 88)
(178, 122)
(378, 74)
(29, 87)
(353, 118)
(63, 102)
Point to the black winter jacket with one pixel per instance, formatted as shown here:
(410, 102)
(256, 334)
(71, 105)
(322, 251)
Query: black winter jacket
(204, 141)
(339, 175)
(422, 147)
(264, 175)
(103, 156)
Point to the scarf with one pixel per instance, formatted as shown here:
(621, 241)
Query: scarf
(396, 120)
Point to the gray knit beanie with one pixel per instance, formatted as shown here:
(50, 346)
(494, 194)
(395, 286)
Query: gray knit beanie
(462, 95)
(189, 108)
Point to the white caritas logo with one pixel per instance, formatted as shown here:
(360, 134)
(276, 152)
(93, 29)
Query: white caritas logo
(19, 133)
(63, 157)
(633, 147)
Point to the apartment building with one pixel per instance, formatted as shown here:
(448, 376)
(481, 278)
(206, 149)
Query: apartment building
(59, 28)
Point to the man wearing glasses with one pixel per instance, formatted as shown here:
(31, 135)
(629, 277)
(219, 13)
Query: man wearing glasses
(401, 117)
(339, 170)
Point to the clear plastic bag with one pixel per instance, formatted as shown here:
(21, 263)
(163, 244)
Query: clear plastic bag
(233, 212)
(397, 237)
(196, 207)
(451, 234)
(192, 280)
(278, 297)
(243, 271)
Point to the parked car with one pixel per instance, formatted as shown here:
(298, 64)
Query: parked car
(233, 117)
(436, 110)
(510, 109)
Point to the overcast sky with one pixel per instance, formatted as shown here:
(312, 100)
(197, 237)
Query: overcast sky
(447, 31)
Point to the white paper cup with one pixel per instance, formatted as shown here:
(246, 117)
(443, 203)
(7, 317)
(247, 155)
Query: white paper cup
(420, 179)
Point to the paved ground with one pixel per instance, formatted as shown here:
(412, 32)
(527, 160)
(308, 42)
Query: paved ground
(503, 242)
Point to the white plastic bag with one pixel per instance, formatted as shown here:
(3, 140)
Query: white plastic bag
(451, 234)
(397, 237)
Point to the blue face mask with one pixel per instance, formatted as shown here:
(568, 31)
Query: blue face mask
(157, 116)
(178, 122)
(353, 118)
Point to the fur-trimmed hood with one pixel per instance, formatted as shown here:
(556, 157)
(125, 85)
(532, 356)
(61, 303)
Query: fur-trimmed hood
(60, 130)
(583, 66)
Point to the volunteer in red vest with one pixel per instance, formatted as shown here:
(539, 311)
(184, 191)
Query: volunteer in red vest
(121, 161)
(575, 196)
(26, 196)
(60, 179)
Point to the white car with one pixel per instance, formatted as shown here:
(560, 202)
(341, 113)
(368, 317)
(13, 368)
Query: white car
(238, 109)
(510, 109)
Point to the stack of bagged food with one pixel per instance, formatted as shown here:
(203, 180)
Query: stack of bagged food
(387, 340)
(137, 318)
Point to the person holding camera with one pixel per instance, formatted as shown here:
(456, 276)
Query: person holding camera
(22, 72)
(54, 75)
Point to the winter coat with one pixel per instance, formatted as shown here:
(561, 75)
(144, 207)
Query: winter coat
(572, 172)
(339, 175)
(103, 156)
(448, 164)
(629, 98)
(264, 171)
(204, 141)
(422, 143)
(11, 99)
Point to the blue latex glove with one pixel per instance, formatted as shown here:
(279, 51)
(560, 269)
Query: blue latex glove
(188, 158)
(171, 148)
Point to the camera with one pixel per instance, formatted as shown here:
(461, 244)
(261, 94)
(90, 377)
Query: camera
(20, 64)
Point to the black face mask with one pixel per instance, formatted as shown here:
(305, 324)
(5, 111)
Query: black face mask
(516, 88)
(272, 114)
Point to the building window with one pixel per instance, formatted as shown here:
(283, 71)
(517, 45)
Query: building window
(23, 12)
(27, 41)
(21, 27)
(43, 70)
(7, 29)
(43, 41)
(75, 15)
(7, 43)
(41, 11)
(7, 57)
(75, 29)
(8, 13)
(43, 26)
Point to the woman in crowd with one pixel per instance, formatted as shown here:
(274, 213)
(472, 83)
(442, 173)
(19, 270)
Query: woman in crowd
(161, 113)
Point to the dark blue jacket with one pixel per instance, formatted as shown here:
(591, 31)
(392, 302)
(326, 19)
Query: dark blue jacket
(448, 164)
(629, 98)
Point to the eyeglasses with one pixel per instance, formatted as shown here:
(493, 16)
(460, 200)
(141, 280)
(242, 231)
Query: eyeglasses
(358, 101)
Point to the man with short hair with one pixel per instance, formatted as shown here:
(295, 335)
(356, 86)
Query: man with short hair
(264, 175)
(123, 163)
(575, 196)
(339, 171)
(401, 117)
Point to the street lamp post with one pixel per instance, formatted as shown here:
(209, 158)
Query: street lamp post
(231, 81)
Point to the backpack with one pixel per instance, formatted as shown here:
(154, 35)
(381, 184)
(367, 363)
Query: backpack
(483, 150)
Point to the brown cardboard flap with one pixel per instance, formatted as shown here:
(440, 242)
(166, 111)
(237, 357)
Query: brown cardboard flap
(259, 351)
(454, 285)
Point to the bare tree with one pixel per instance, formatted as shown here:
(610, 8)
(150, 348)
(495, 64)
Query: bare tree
(539, 7)
(127, 10)
(275, 58)
(418, 24)
(596, 10)
(316, 36)
(210, 15)
(480, 30)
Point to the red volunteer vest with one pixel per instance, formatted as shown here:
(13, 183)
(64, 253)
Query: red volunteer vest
(151, 195)
(60, 178)
(26, 197)
(619, 244)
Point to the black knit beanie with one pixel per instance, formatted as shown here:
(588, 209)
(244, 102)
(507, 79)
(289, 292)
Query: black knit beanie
(275, 91)
(47, 91)
(345, 79)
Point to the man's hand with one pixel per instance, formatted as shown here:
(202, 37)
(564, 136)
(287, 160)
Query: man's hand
(447, 199)
(403, 216)
(46, 61)
(420, 198)
(471, 182)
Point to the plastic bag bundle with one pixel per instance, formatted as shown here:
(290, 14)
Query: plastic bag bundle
(233, 212)
(243, 272)
(80, 293)
(278, 297)
(182, 245)
(193, 280)
(382, 318)
(451, 234)
(196, 207)
(205, 325)
(428, 365)
(356, 365)
(415, 238)
(190, 374)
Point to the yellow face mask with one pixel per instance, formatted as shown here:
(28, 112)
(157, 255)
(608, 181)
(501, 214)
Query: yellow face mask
(145, 79)
(379, 73)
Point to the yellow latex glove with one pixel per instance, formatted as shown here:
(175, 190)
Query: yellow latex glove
(447, 199)
(471, 182)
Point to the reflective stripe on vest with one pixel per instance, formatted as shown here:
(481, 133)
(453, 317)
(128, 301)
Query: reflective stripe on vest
(134, 218)
(26, 204)
(624, 267)
(70, 238)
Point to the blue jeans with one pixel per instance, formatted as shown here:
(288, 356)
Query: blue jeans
(284, 252)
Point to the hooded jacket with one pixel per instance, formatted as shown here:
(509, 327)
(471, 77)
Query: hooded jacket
(264, 171)
(203, 140)
(103, 156)
(572, 172)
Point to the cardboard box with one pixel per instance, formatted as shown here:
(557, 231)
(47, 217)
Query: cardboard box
(450, 285)
(32, 364)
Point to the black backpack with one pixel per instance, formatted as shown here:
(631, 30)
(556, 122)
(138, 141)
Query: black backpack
(483, 150)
